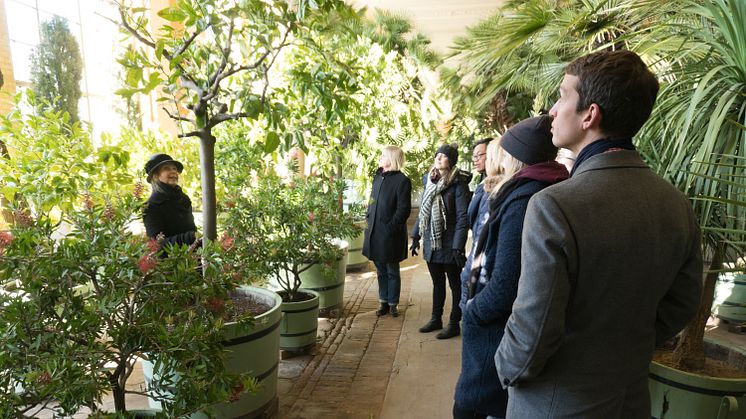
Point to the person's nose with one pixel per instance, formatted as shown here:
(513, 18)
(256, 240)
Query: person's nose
(553, 111)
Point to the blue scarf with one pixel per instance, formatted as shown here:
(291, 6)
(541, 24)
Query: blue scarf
(600, 146)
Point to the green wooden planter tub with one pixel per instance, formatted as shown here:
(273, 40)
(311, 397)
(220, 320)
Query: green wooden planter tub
(677, 394)
(300, 322)
(730, 297)
(329, 285)
(355, 258)
(254, 349)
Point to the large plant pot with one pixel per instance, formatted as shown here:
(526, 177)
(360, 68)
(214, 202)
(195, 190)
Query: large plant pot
(329, 283)
(677, 394)
(253, 349)
(730, 297)
(299, 323)
(355, 258)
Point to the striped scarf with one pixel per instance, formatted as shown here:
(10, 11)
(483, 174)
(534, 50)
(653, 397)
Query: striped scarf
(433, 211)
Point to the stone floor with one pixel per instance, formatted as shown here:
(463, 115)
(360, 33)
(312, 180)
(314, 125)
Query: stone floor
(368, 366)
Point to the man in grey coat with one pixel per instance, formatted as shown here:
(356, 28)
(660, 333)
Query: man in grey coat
(611, 259)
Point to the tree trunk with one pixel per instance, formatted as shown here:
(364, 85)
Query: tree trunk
(207, 170)
(690, 351)
(118, 392)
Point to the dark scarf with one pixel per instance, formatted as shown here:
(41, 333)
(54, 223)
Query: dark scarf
(169, 193)
(548, 173)
(601, 146)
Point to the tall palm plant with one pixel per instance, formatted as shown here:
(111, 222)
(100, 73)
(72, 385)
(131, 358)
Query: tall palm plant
(696, 137)
(526, 45)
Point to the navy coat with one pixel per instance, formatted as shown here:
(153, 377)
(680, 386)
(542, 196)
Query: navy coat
(456, 199)
(485, 316)
(169, 211)
(388, 210)
(479, 209)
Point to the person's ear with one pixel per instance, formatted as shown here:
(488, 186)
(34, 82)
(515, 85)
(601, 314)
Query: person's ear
(592, 118)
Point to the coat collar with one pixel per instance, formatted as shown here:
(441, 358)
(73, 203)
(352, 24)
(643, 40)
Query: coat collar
(612, 160)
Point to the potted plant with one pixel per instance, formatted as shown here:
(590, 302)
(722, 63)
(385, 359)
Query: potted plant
(695, 139)
(87, 297)
(88, 302)
(290, 224)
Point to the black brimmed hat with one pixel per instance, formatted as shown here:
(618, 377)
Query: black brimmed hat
(157, 160)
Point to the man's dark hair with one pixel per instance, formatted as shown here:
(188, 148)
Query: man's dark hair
(485, 141)
(621, 85)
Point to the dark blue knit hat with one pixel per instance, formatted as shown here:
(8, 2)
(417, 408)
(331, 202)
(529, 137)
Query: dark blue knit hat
(530, 141)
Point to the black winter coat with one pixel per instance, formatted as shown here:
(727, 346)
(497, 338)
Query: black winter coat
(388, 210)
(169, 211)
(456, 199)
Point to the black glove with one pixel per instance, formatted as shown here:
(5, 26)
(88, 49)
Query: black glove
(459, 257)
(415, 245)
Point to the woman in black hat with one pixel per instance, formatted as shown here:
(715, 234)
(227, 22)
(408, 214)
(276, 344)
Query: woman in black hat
(168, 210)
(443, 225)
(526, 155)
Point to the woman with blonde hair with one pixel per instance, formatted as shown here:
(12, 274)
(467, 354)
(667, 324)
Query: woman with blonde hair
(386, 235)
(443, 225)
(479, 207)
(525, 156)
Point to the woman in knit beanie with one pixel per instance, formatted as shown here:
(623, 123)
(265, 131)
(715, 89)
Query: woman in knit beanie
(526, 155)
(443, 225)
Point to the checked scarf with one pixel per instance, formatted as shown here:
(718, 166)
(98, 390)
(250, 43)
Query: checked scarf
(433, 211)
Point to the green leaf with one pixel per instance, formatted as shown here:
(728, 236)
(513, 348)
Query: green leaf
(172, 14)
(272, 141)
(126, 92)
(154, 81)
(9, 192)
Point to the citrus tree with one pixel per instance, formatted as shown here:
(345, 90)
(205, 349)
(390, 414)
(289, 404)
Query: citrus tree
(211, 61)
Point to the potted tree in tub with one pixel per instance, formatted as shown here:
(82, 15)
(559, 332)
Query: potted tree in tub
(290, 224)
(695, 139)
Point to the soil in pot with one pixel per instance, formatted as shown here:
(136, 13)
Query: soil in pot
(713, 367)
(299, 296)
(246, 303)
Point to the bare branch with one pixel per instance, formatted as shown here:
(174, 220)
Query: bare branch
(190, 134)
(189, 41)
(215, 80)
(225, 117)
(132, 30)
(176, 117)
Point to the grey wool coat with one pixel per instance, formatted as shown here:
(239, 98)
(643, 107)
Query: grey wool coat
(611, 265)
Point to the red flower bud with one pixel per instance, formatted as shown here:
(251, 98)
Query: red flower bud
(215, 304)
(154, 246)
(226, 242)
(23, 218)
(6, 238)
(138, 191)
(44, 379)
(109, 212)
(236, 392)
(146, 263)
(88, 201)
